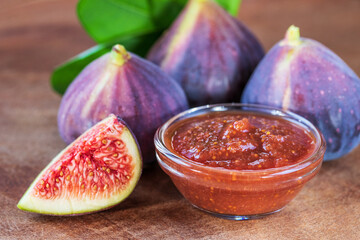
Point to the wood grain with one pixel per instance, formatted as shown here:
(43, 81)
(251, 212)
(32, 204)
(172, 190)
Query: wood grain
(37, 35)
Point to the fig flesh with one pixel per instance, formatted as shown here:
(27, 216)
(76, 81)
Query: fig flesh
(97, 171)
(126, 85)
(210, 53)
(304, 76)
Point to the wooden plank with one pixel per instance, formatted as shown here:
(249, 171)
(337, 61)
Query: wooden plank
(35, 37)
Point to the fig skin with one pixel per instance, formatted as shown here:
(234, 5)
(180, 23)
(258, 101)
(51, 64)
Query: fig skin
(126, 85)
(210, 53)
(304, 76)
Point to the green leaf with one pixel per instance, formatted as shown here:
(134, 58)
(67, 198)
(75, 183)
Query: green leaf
(232, 6)
(64, 74)
(164, 12)
(108, 20)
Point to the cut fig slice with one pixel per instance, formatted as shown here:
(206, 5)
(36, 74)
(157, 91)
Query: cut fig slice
(95, 172)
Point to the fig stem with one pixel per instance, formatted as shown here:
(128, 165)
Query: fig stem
(293, 35)
(119, 55)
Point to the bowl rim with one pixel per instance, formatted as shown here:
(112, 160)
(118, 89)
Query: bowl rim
(299, 120)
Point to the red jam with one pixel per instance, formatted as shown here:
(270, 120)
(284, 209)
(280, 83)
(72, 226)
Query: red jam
(240, 163)
(241, 141)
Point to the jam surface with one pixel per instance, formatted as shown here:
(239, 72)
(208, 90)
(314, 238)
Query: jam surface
(243, 141)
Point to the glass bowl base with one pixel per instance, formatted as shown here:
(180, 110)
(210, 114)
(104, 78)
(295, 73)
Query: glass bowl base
(237, 217)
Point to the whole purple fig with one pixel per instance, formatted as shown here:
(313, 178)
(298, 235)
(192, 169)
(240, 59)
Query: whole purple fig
(304, 76)
(126, 85)
(210, 53)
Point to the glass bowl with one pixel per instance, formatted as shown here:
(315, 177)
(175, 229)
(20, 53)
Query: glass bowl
(238, 194)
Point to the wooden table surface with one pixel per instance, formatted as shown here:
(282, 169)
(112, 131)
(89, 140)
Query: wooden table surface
(35, 35)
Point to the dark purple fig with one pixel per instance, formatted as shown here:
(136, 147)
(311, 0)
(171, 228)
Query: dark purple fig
(126, 85)
(304, 76)
(210, 53)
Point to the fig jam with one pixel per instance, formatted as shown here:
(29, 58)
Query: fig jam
(240, 164)
(242, 141)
